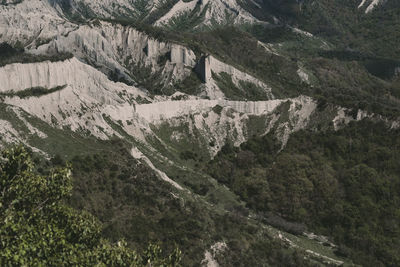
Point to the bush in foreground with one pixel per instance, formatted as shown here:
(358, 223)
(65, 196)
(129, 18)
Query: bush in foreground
(38, 229)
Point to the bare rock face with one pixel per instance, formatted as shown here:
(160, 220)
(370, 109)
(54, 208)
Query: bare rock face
(89, 102)
(80, 105)
(215, 11)
(209, 12)
(89, 99)
(43, 27)
(112, 46)
(31, 22)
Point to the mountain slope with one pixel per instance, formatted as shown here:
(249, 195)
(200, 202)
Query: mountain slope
(181, 117)
(364, 26)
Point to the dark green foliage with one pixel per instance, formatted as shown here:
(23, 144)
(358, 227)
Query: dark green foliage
(236, 47)
(187, 21)
(266, 10)
(148, 80)
(15, 54)
(343, 184)
(379, 67)
(270, 34)
(217, 109)
(346, 77)
(358, 46)
(249, 183)
(38, 229)
(190, 85)
(117, 76)
(232, 46)
(342, 23)
(141, 8)
(187, 155)
(33, 92)
(244, 91)
(342, 76)
(15, 2)
(225, 83)
(339, 21)
(162, 8)
(354, 35)
(8, 50)
(134, 204)
(277, 255)
(348, 83)
(382, 68)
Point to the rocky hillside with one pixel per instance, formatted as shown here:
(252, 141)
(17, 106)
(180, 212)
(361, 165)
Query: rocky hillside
(173, 113)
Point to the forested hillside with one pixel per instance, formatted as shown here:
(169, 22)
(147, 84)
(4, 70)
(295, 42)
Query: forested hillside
(342, 184)
(239, 132)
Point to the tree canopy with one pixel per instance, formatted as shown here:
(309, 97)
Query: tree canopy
(344, 184)
(38, 229)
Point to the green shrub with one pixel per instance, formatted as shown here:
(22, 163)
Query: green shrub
(37, 228)
(16, 54)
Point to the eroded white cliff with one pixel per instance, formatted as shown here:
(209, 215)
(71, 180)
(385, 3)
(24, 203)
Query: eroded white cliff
(214, 12)
(31, 22)
(220, 120)
(113, 46)
(82, 105)
(91, 103)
